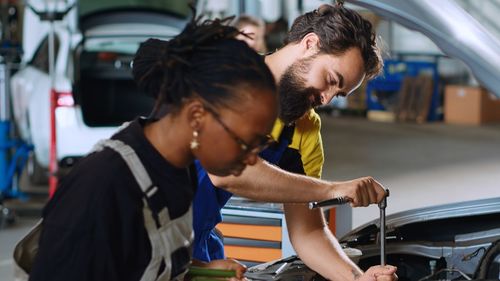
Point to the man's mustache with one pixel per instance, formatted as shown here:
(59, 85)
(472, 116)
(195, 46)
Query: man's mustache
(316, 99)
(314, 96)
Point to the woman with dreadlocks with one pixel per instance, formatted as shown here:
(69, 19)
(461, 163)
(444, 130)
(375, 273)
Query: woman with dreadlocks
(124, 211)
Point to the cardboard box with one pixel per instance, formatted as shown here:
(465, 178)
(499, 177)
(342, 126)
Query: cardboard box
(381, 116)
(470, 106)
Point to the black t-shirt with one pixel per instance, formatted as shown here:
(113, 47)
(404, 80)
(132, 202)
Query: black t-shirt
(93, 228)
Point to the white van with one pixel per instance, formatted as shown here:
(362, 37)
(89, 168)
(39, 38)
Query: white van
(94, 46)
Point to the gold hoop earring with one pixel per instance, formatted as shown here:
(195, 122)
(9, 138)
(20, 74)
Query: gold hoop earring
(194, 142)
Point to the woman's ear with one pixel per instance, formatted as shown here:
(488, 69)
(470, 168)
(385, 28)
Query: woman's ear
(196, 114)
(310, 44)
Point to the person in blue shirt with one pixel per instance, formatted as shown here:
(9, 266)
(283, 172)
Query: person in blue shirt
(328, 52)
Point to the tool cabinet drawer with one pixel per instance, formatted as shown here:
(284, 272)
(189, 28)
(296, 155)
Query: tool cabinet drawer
(253, 236)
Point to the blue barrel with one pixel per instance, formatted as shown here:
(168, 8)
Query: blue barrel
(4, 154)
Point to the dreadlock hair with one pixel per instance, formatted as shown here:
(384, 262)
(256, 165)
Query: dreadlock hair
(204, 60)
(339, 29)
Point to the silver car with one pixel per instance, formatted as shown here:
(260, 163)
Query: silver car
(456, 241)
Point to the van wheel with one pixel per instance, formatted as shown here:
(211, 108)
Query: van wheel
(37, 174)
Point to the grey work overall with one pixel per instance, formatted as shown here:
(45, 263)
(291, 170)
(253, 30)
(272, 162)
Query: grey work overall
(166, 236)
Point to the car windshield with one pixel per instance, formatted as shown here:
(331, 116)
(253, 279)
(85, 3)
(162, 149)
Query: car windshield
(171, 6)
(126, 46)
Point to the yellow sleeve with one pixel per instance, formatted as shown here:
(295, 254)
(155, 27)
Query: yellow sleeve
(277, 128)
(307, 140)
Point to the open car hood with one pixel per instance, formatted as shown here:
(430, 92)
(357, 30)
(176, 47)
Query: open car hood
(424, 217)
(452, 29)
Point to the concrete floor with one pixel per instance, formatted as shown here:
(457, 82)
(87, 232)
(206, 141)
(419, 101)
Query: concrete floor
(422, 165)
(9, 236)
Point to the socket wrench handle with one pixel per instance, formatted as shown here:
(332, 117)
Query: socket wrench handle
(327, 204)
(382, 205)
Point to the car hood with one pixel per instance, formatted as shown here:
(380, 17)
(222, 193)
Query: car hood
(451, 28)
(423, 216)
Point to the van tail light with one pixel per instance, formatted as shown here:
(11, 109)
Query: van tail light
(64, 99)
(54, 98)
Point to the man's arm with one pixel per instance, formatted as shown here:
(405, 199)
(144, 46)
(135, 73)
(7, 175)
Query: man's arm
(316, 245)
(266, 182)
(320, 250)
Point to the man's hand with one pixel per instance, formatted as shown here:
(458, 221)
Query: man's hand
(360, 192)
(379, 273)
(229, 264)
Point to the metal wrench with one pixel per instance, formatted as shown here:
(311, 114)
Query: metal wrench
(382, 205)
(327, 204)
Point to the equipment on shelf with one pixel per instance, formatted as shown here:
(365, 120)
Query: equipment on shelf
(408, 88)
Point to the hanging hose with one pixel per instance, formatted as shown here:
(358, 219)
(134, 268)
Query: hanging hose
(487, 260)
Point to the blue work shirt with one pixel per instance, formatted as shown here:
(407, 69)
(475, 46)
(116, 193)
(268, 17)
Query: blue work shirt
(209, 200)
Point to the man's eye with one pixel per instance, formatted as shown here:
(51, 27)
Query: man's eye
(332, 82)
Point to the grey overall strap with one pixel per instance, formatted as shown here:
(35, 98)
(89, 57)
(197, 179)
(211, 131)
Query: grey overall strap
(133, 162)
(168, 236)
(142, 177)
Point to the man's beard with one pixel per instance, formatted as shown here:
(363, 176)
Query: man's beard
(295, 98)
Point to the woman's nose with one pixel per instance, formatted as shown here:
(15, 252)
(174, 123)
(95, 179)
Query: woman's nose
(251, 159)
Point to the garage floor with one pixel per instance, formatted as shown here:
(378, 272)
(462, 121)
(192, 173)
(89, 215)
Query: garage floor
(422, 165)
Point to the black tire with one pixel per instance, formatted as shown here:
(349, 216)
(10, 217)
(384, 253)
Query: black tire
(37, 174)
(7, 217)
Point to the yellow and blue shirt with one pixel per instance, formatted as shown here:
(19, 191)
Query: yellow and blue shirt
(306, 146)
(299, 150)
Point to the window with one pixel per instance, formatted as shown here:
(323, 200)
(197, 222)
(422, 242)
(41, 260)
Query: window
(41, 58)
(173, 6)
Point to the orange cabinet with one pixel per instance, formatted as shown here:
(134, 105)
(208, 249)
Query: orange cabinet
(255, 235)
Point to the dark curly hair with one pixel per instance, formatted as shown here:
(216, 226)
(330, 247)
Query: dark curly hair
(339, 29)
(204, 60)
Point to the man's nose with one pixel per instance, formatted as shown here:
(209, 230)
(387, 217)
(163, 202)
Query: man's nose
(326, 97)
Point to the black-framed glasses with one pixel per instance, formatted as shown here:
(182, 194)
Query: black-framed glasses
(264, 142)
